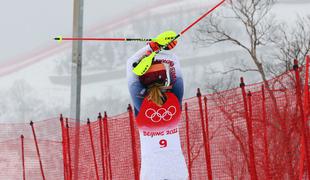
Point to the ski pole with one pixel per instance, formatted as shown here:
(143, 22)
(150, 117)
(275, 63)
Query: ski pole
(142, 66)
(59, 39)
(203, 16)
(195, 22)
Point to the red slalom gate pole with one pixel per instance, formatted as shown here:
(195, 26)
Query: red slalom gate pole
(37, 148)
(188, 143)
(248, 118)
(93, 148)
(23, 156)
(64, 150)
(69, 149)
(304, 130)
(133, 143)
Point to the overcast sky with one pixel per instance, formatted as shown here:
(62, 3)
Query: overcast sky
(32, 24)
(29, 25)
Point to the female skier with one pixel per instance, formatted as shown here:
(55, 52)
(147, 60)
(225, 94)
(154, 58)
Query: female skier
(157, 98)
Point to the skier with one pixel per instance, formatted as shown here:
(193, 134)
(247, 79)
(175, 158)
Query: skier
(157, 98)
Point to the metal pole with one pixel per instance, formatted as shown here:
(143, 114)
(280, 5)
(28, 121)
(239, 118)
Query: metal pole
(76, 76)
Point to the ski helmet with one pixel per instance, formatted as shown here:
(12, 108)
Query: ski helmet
(157, 73)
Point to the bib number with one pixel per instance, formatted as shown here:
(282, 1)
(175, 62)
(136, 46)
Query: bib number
(163, 143)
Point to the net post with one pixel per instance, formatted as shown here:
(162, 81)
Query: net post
(92, 147)
(37, 149)
(107, 141)
(266, 150)
(306, 112)
(188, 143)
(304, 131)
(105, 150)
(101, 145)
(133, 142)
(208, 140)
(203, 128)
(252, 168)
(69, 149)
(23, 156)
(63, 142)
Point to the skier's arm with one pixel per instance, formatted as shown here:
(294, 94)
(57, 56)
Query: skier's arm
(136, 89)
(177, 84)
(137, 56)
(178, 89)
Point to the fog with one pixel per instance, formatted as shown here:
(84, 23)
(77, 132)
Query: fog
(27, 26)
(38, 87)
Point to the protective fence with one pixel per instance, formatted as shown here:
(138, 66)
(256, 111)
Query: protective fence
(258, 131)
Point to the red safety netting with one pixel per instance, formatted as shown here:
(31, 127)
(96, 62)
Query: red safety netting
(258, 131)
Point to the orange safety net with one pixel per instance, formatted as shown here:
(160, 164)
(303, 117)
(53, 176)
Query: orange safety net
(258, 131)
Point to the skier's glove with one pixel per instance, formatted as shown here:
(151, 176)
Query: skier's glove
(162, 40)
(154, 46)
(171, 45)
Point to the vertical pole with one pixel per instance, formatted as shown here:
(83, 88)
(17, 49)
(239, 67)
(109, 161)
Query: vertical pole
(93, 148)
(188, 143)
(203, 131)
(304, 130)
(106, 169)
(308, 100)
(38, 151)
(306, 105)
(306, 88)
(250, 133)
(266, 151)
(105, 150)
(208, 141)
(76, 59)
(306, 108)
(101, 145)
(133, 142)
(249, 129)
(23, 156)
(69, 149)
(64, 151)
(76, 76)
(107, 140)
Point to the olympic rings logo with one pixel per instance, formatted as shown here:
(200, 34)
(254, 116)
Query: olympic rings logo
(160, 114)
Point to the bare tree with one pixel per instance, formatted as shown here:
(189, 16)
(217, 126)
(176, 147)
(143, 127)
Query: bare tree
(291, 43)
(250, 18)
(249, 25)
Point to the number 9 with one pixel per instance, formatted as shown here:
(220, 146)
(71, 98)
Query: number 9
(163, 143)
